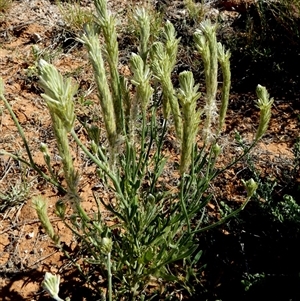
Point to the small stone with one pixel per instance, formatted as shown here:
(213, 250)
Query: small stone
(36, 37)
(30, 235)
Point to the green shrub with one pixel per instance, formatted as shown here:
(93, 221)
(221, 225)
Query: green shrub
(74, 15)
(154, 226)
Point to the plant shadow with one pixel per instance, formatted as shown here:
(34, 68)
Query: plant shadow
(72, 286)
(253, 257)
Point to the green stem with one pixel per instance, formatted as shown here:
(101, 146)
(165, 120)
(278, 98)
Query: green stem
(224, 219)
(236, 160)
(183, 205)
(140, 167)
(43, 175)
(109, 274)
(20, 130)
(83, 237)
(104, 167)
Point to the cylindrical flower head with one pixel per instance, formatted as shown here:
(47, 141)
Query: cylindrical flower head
(224, 60)
(188, 90)
(101, 7)
(188, 95)
(171, 44)
(107, 23)
(265, 106)
(40, 206)
(206, 43)
(162, 68)
(209, 31)
(158, 55)
(91, 41)
(203, 48)
(141, 78)
(58, 94)
(143, 20)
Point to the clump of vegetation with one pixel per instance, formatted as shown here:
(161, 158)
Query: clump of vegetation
(74, 15)
(195, 10)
